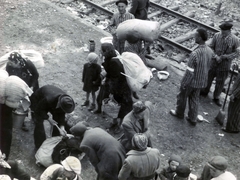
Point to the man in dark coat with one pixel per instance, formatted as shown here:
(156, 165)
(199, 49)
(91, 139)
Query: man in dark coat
(105, 153)
(51, 99)
(139, 8)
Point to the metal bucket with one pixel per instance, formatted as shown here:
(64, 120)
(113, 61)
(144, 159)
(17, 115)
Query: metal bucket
(18, 118)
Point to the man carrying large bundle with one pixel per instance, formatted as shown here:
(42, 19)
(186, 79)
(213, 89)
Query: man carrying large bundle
(118, 18)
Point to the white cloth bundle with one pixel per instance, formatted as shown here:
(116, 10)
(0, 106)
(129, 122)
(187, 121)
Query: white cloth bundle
(142, 29)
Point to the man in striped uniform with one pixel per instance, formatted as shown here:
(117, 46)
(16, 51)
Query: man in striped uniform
(224, 45)
(233, 119)
(118, 18)
(195, 79)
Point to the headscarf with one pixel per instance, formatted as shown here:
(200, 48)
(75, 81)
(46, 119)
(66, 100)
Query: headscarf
(16, 57)
(92, 58)
(140, 142)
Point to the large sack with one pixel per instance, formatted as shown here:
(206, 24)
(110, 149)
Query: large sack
(142, 29)
(32, 55)
(160, 63)
(16, 91)
(137, 74)
(44, 153)
(3, 77)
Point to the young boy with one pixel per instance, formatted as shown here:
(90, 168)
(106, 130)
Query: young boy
(168, 172)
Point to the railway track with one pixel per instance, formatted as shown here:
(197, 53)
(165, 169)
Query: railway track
(181, 41)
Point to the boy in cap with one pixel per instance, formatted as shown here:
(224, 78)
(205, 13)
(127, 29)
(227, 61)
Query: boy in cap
(119, 17)
(51, 99)
(142, 162)
(136, 121)
(91, 79)
(168, 172)
(70, 169)
(224, 45)
(183, 172)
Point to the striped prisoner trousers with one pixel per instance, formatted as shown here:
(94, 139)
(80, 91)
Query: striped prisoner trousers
(221, 76)
(192, 95)
(233, 119)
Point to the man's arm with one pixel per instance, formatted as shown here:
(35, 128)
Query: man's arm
(125, 171)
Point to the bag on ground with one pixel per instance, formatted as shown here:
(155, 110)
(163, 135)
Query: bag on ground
(142, 29)
(137, 74)
(44, 153)
(110, 107)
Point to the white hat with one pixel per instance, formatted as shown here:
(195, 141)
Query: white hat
(72, 163)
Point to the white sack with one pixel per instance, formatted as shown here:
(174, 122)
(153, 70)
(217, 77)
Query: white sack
(3, 77)
(137, 74)
(32, 55)
(143, 29)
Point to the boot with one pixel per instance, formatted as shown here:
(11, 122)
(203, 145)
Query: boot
(86, 103)
(92, 107)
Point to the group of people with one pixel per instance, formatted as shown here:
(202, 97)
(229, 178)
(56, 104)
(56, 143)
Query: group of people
(132, 156)
(206, 63)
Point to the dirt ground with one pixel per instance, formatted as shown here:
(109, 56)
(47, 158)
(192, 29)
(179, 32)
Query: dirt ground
(59, 36)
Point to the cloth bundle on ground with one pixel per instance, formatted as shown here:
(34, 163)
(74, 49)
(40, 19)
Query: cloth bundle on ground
(44, 153)
(142, 29)
(55, 149)
(137, 74)
(14, 92)
(32, 55)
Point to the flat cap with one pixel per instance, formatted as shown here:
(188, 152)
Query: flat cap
(218, 162)
(122, 1)
(226, 25)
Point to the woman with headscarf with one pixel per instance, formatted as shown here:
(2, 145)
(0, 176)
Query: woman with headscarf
(69, 169)
(141, 162)
(24, 69)
(117, 82)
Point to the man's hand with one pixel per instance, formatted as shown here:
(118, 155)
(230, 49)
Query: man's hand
(232, 98)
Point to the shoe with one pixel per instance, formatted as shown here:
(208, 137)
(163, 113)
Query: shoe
(86, 103)
(97, 111)
(92, 107)
(229, 131)
(135, 95)
(174, 113)
(193, 123)
(202, 93)
(217, 102)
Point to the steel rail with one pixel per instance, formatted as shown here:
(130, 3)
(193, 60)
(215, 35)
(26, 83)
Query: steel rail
(98, 7)
(180, 16)
(168, 11)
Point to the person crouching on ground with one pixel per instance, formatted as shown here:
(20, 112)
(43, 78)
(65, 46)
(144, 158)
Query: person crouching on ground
(136, 121)
(91, 79)
(69, 169)
(51, 99)
(168, 172)
(142, 162)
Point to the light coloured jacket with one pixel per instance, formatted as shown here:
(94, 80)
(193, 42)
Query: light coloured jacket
(140, 164)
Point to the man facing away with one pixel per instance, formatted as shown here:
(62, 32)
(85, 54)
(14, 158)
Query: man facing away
(195, 79)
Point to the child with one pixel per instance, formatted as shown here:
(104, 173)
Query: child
(91, 79)
(168, 172)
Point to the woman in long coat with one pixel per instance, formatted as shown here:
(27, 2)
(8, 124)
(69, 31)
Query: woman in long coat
(117, 82)
(233, 118)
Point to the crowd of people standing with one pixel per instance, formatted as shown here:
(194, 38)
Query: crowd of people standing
(133, 155)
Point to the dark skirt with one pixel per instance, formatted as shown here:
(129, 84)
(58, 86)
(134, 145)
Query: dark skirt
(233, 119)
